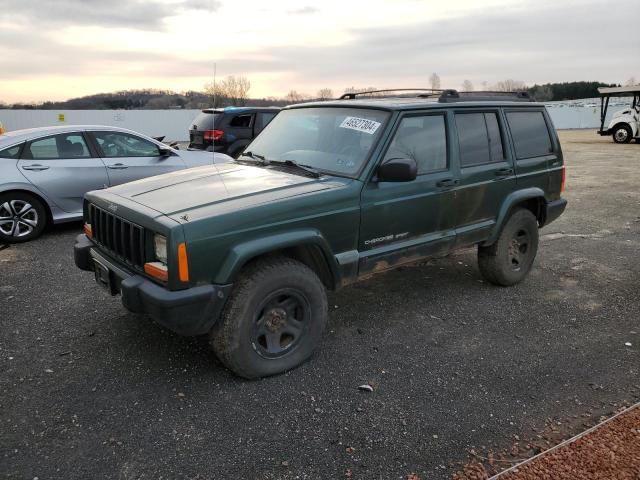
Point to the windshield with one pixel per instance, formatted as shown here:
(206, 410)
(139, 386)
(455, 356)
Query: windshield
(332, 140)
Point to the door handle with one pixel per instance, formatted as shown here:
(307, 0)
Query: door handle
(447, 182)
(36, 167)
(117, 166)
(504, 172)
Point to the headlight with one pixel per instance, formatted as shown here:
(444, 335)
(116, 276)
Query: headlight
(160, 247)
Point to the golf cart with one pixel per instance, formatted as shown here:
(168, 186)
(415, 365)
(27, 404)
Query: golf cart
(625, 124)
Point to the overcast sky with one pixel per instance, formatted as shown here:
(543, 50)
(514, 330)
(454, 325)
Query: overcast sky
(54, 50)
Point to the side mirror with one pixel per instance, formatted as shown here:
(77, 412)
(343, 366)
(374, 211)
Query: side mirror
(398, 170)
(164, 151)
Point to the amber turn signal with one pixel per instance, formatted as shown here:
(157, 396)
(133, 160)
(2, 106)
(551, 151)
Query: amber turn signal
(183, 263)
(87, 230)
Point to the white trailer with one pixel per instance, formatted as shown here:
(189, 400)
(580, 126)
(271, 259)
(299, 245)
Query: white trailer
(625, 124)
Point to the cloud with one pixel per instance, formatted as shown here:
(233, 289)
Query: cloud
(135, 14)
(303, 10)
(536, 44)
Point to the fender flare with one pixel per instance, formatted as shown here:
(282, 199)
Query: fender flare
(242, 253)
(512, 199)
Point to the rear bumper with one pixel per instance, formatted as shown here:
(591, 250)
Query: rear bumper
(554, 210)
(187, 312)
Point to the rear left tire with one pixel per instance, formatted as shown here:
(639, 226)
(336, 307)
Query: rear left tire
(509, 259)
(22, 217)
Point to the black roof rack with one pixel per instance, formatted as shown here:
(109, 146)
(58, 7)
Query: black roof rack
(446, 95)
(427, 92)
(451, 96)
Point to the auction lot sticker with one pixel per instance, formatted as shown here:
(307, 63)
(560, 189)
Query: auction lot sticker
(360, 124)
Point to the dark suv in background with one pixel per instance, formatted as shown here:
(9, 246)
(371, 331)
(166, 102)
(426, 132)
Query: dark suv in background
(228, 130)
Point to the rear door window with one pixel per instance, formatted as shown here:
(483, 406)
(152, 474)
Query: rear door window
(530, 134)
(479, 138)
(65, 145)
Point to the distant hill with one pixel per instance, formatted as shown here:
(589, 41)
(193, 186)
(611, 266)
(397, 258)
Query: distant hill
(151, 99)
(148, 99)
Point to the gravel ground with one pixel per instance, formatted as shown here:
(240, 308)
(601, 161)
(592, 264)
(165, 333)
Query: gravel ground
(459, 366)
(611, 451)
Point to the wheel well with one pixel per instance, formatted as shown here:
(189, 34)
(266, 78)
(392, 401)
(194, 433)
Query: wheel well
(622, 124)
(534, 205)
(45, 205)
(309, 254)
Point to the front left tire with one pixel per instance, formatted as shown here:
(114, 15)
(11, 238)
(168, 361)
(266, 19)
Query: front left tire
(273, 320)
(22, 217)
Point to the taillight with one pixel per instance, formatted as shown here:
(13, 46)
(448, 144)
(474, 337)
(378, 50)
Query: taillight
(564, 178)
(214, 135)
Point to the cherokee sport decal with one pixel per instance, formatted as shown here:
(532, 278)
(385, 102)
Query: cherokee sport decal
(386, 238)
(360, 124)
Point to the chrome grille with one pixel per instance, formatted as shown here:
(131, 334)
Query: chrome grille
(123, 239)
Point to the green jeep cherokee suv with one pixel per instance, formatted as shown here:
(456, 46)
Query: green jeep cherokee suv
(328, 194)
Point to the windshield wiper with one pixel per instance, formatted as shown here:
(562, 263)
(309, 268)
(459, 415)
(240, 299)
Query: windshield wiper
(257, 157)
(292, 163)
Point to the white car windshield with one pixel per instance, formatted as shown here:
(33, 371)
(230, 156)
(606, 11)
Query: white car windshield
(331, 140)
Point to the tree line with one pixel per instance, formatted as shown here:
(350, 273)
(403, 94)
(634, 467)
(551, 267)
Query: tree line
(234, 91)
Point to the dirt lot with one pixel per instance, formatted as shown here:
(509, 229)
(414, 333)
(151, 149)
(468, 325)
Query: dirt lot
(91, 391)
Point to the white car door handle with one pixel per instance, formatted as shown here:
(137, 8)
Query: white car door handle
(36, 166)
(117, 166)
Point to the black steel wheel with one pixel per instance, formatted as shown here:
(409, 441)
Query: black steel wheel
(509, 259)
(273, 320)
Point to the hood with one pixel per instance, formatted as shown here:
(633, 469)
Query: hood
(193, 188)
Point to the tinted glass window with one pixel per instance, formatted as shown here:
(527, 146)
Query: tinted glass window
(422, 138)
(263, 119)
(66, 145)
(495, 138)
(530, 134)
(118, 144)
(240, 121)
(479, 138)
(11, 152)
(473, 139)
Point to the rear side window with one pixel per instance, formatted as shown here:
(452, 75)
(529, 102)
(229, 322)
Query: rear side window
(11, 152)
(422, 138)
(241, 121)
(530, 134)
(479, 138)
(63, 146)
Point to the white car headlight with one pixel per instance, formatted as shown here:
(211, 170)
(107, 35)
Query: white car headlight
(160, 247)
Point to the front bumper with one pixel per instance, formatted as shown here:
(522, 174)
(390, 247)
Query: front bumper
(187, 312)
(605, 132)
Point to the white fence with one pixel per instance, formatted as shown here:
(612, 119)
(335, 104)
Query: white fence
(175, 124)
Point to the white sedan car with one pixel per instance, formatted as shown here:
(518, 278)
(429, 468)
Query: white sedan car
(45, 172)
